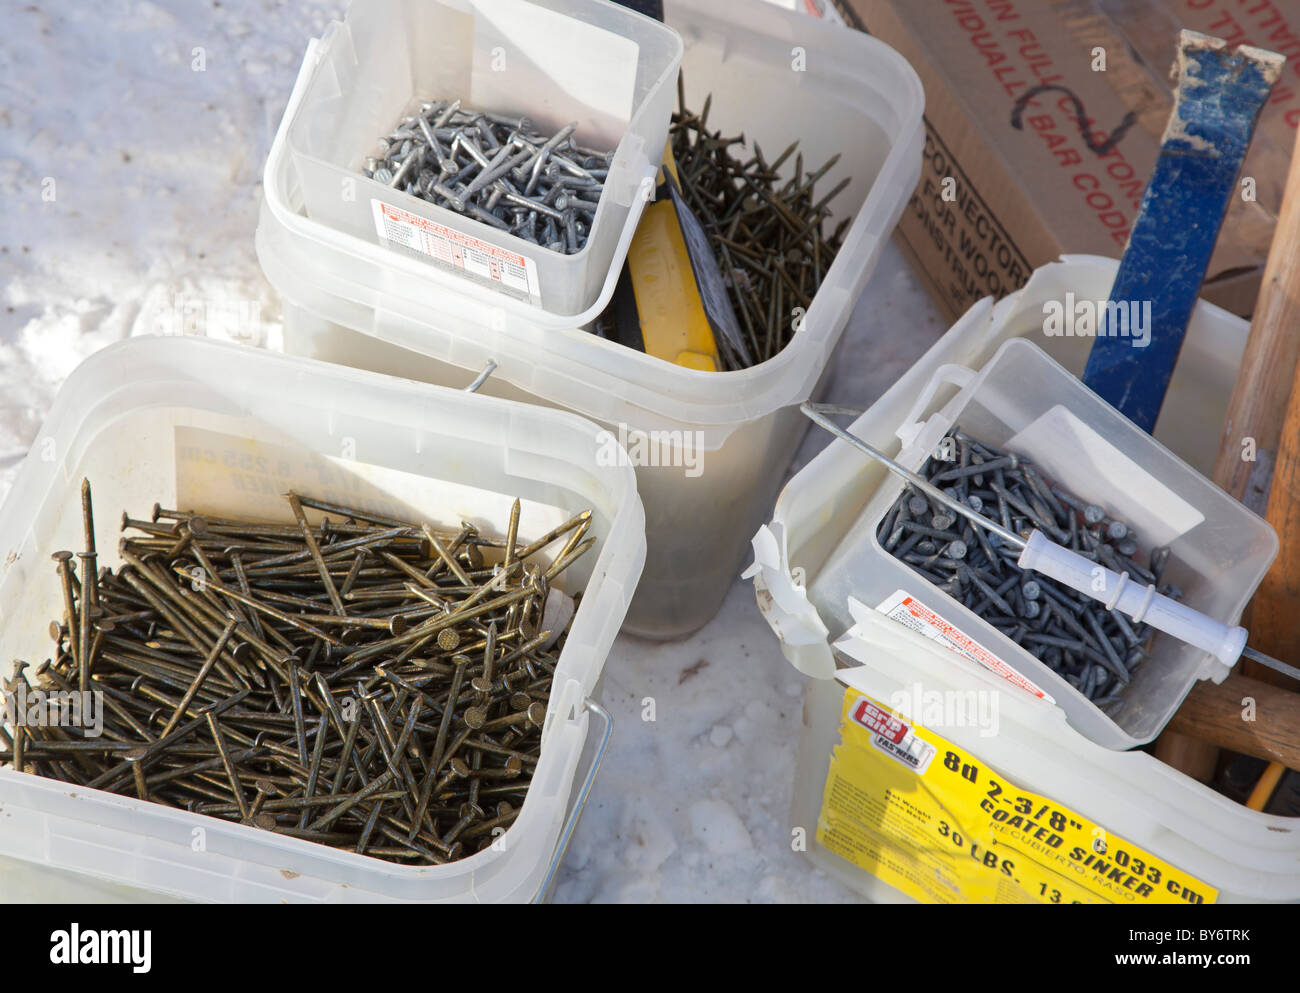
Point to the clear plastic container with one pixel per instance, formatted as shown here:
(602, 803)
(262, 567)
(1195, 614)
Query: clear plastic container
(1248, 856)
(724, 439)
(226, 429)
(1024, 402)
(609, 69)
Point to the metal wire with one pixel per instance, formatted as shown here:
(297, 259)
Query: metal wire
(814, 412)
(1272, 663)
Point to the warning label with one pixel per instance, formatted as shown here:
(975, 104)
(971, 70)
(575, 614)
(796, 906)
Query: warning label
(472, 257)
(910, 612)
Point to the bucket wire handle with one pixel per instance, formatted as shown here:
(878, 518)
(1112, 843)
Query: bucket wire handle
(572, 821)
(482, 377)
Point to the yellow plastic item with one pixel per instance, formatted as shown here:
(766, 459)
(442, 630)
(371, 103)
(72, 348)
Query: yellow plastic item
(1263, 791)
(673, 323)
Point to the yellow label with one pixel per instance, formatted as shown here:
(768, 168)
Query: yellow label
(937, 823)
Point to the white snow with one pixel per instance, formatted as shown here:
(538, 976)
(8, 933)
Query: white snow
(132, 136)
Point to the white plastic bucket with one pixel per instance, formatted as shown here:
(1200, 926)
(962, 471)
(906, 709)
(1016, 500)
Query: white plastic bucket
(1022, 401)
(602, 66)
(226, 429)
(727, 436)
(1244, 854)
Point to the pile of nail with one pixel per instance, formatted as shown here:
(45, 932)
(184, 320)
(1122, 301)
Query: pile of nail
(1096, 650)
(496, 169)
(363, 682)
(767, 235)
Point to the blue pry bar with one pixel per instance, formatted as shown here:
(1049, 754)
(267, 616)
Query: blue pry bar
(1216, 103)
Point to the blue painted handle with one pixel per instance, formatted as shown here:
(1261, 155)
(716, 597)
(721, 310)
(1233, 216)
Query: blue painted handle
(1217, 102)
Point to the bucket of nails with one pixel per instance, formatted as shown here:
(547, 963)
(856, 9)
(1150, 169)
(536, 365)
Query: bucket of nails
(1026, 445)
(338, 673)
(511, 145)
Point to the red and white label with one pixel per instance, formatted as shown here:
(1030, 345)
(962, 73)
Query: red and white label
(913, 752)
(480, 260)
(893, 736)
(882, 722)
(905, 609)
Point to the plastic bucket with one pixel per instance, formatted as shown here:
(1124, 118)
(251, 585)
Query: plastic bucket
(718, 442)
(1024, 402)
(226, 429)
(595, 63)
(1242, 854)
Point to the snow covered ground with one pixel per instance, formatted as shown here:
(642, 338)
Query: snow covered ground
(132, 137)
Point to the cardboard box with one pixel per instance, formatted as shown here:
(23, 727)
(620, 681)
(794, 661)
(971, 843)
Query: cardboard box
(1043, 121)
